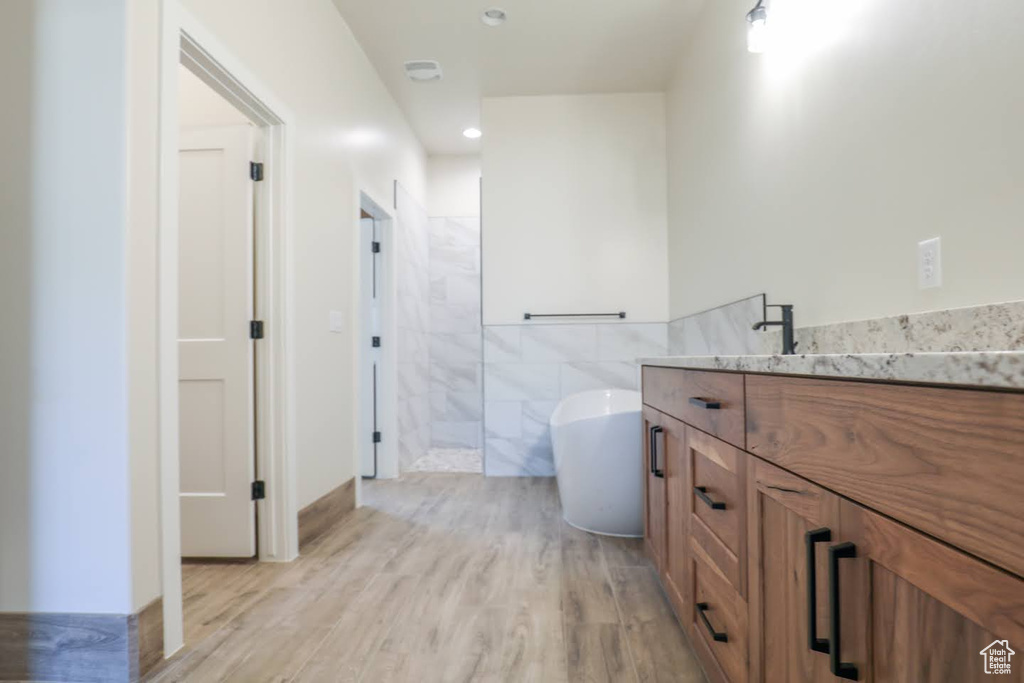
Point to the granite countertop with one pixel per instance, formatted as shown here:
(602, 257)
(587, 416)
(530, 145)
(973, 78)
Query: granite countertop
(997, 369)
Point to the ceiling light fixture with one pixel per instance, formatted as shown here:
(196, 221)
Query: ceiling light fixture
(494, 16)
(423, 70)
(757, 28)
(472, 133)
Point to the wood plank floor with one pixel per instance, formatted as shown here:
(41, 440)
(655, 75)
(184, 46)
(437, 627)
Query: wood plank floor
(439, 577)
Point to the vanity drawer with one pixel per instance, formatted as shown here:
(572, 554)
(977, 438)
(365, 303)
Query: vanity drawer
(710, 401)
(719, 622)
(719, 504)
(949, 462)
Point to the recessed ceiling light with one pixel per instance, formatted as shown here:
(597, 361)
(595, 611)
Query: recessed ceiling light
(494, 16)
(472, 133)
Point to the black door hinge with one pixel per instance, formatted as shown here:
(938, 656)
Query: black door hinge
(256, 171)
(375, 247)
(259, 490)
(376, 342)
(255, 329)
(376, 437)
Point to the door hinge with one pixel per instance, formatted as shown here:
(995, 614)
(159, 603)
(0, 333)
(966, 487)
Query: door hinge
(259, 490)
(375, 247)
(256, 170)
(255, 329)
(376, 342)
(376, 437)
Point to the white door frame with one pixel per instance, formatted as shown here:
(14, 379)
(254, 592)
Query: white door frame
(183, 40)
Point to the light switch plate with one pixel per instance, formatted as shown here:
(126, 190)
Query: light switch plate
(336, 321)
(929, 263)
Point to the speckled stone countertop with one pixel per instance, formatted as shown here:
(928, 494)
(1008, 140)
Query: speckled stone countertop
(997, 369)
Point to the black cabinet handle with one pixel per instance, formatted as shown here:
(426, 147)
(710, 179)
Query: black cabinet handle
(815, 643)
(655, 430)
(651, 449)
(718, 636)
(706, 404)
(835, 553)
(702, 493)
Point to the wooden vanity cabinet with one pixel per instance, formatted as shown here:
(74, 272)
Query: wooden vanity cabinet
(949, 462)
(846, 540)
(655, 509)
(911, 609)
(712, 402)
(717, 496)
(792, 522)
(666, 533)
(718, 623)
(915, 610)
(677, 512)
(718, 506)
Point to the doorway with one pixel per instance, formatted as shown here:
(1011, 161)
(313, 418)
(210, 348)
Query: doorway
(378, 343)
(220, 162)
(274, 517)
(371, 450)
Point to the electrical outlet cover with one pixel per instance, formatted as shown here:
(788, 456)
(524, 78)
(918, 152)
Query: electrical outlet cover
(929, 263)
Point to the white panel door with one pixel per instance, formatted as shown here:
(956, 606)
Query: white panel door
(215, 285)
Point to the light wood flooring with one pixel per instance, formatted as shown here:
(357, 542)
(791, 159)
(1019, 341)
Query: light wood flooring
(439, 577)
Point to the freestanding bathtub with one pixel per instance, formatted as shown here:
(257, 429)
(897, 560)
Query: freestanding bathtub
(597, 445)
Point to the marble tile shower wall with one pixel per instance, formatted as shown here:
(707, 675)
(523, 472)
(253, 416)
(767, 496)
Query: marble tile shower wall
(413, 328)
(456, 349)
(529, 368)
(724, 331)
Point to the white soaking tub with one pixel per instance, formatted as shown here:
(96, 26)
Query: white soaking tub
(598, 461)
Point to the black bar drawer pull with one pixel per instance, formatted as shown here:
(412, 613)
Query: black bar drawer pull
(705, 403)
(815, 643)
(839, 667)
(702, 493)
(655, 430)
(718, 636)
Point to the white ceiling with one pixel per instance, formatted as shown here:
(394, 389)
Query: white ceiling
(546, 47)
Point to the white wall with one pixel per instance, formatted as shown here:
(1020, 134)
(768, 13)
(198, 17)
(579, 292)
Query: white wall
(574, 206)
(812, 172)
(143, 34)
(349, 136)
(64, 487)
(453, 186)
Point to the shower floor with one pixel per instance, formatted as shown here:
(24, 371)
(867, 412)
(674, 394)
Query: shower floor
(469, 460)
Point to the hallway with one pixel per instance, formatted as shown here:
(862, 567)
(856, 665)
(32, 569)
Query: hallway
(438, 577)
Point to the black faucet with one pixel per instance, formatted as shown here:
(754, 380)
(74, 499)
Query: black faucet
(788, 343)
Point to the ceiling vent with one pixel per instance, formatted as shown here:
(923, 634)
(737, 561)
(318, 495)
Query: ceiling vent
(423, 70)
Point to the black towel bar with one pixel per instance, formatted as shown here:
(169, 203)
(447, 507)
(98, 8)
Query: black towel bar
(530, 316)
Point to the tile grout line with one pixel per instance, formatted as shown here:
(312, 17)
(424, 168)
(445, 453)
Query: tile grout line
(299, 669)
(394, 617)
(188, 655)
(618, 610)
(316, 650)
(327, 635)
(383, 638)
(565, 632)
